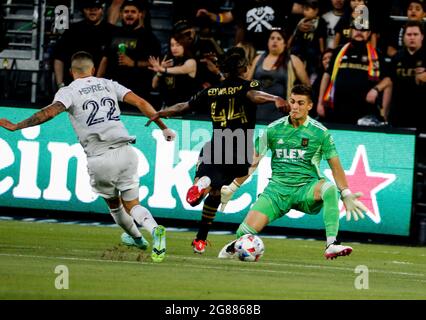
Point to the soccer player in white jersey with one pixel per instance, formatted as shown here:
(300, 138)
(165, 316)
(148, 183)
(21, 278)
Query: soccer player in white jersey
(92, 106)
(298, 144)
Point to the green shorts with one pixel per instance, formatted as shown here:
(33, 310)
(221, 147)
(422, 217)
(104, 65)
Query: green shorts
(276, 200)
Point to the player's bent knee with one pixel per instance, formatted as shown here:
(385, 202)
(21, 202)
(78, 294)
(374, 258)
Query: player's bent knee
(130, 195)
(329, 191)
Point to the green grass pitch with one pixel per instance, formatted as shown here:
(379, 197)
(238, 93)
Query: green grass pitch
(100, 268)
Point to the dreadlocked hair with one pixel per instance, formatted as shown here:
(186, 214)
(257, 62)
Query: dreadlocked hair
(234, 61)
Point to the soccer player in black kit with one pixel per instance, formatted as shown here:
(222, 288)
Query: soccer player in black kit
(228, 154)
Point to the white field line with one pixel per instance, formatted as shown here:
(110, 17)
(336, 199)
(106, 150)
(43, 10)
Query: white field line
(141, 262)
(215, 259)
(225, 268)
(287, 264)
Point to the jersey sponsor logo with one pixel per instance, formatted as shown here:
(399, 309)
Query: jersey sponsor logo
(290, 154)
(254, 84)
(406, 72)
(258, 19)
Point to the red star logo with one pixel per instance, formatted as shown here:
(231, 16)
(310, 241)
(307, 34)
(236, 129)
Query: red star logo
(362, 179)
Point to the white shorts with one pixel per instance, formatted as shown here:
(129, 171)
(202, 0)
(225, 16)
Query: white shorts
(114, 171)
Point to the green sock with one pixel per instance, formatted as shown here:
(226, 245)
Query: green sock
(331, 209)
(244, 228)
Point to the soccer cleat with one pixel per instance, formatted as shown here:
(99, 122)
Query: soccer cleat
(228, 251)
(335, 250)
(199, 246)
(195, 194)
(159, 246)
(128, 240)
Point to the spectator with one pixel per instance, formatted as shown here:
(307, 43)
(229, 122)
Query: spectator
(97, 35)
(114, 13)
(254, 18)
(325, 62)
(356, 75)
(175, 78)
(415, 12)
(208, 16)
(272, 71)
(200, 45)
(408, 73)
(332, 17)
(205, 50)
(212, 63)
(309, 45)
(126, 58)
(343, 27)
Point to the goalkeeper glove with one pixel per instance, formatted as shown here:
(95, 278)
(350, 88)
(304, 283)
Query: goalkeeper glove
(226, 193)
(353, 206)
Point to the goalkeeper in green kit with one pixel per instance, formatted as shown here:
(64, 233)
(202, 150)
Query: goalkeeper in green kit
(298, 143)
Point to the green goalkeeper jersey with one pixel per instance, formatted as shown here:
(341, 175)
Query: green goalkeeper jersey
(296, 152)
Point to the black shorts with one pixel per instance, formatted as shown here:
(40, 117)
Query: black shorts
(221, 174)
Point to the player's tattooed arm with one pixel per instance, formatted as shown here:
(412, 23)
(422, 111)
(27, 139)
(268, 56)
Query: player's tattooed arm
(174, 110)
(260, 97)
(37, 118)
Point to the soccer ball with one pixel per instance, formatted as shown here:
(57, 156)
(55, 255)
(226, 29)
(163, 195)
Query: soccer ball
(249, 248)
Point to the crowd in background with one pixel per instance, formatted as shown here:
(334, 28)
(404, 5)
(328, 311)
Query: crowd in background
(365, 69)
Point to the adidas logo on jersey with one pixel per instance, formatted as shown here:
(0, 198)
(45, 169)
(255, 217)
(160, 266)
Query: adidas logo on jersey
(280, 141)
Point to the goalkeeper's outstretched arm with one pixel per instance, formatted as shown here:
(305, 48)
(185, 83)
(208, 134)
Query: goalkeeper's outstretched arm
(354, 207)
(338, 173)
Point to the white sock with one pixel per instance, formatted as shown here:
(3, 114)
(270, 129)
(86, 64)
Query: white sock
(330, 240)
(144, 218)
(125, 221)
